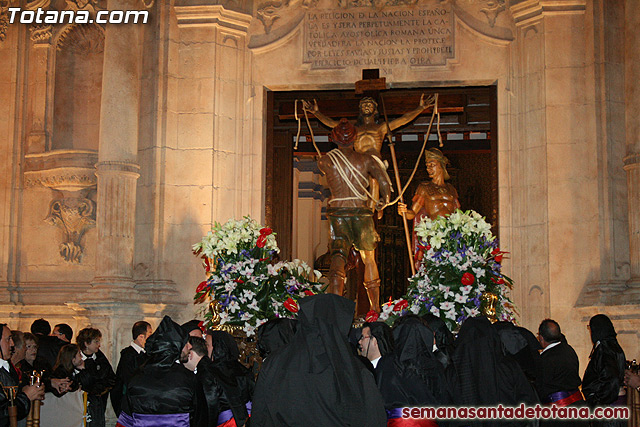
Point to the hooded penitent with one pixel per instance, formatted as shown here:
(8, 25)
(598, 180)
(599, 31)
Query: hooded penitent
(483, 374)
(411, 376)
(275, 334)
(235, 379)
(316, 378)
(163, 392)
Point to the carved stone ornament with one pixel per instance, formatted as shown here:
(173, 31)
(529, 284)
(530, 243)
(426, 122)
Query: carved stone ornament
(74, 216)
(4, 18)
(40, 33)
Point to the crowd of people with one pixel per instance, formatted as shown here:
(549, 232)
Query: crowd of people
(317, 370)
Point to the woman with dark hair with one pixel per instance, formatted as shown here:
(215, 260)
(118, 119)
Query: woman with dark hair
(235, 379)
(603, 381)
(69, 364)
(411, 376)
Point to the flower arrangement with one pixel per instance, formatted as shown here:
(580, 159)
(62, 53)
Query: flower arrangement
(243, 278)
(461, 261)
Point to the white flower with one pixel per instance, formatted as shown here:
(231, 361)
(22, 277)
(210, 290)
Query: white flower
(447, 305)
(472, 312)
(224, 317)
(233, 306)
(230, 286)
(248, 294)
(253, 305)
(461, 298)
(415, 307)
(387, 308)
(451, 314)
(248, 329)
(246, 316)
(481, 287)
(466, 289)
(479, 272)
(435, 310)
(446, 291)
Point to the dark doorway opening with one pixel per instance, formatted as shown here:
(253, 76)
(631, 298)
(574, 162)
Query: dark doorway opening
(469, 131)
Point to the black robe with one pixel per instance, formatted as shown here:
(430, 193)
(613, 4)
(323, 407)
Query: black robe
(236, 381)
(97, 379)
(483, 374)
(605, 372)
(130, 361)
(412, 376)
(316, 380)
(162, 386)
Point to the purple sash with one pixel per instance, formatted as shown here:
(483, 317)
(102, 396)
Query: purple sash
(560, 395)
(394, 413)
(228, 414)
(152, 420)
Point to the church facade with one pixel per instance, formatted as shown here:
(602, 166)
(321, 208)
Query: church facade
(123, 143)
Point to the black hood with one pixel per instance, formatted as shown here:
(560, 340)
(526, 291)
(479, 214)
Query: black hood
(165, 345)
(382, 332)
(274, 334)
(225, 348)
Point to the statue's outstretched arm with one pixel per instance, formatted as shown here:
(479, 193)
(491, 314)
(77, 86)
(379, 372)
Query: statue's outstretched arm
(410, 116)
(313, 108)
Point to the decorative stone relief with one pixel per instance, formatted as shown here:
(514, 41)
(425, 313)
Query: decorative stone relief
(81, 39)
(40, 33)
(4, 18)
(486, 17)
(492, 9)
(74, 216)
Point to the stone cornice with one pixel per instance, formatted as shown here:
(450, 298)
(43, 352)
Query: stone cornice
(528, 10)
(69, 170)
(210, 14)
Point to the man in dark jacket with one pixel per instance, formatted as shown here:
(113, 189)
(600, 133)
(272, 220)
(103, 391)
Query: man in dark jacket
(9, 379)
(557, 378)
(163, 392)
(200, 364)
(131, 358)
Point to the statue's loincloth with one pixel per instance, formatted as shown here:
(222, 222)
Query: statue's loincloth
(351, 226)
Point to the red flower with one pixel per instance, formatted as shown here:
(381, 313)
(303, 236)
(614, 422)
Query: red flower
(238, 280)
(498, 258)
(500, 281)
(372, 316)
(262, 240)
(201, 287)
(266, 231)
(402, 304)
(207, 266)
(308, 292)
(201, 326)
(495, 251)
(468, 279)
(291, 305)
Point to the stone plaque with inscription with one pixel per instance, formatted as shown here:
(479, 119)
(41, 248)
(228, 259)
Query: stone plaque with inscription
(418, 35)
